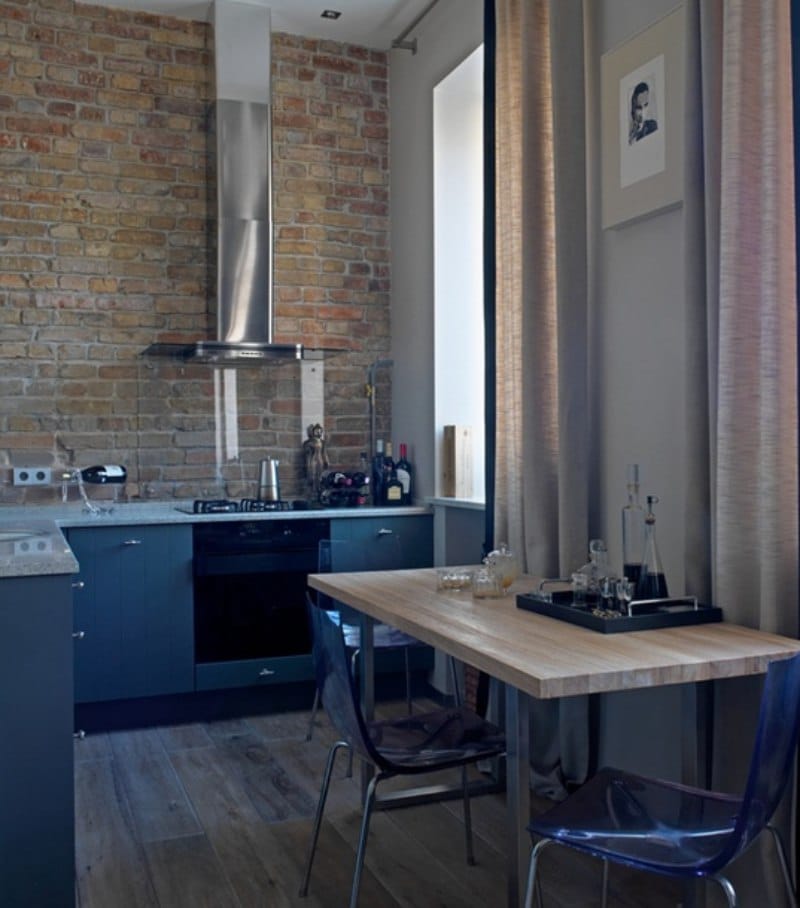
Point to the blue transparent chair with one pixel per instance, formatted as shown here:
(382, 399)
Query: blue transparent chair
(676, 830)
(403, 746)
(347, 556)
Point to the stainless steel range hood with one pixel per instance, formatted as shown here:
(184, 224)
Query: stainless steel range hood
(244, 300)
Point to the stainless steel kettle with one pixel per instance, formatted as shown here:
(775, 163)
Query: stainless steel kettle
(269, 487)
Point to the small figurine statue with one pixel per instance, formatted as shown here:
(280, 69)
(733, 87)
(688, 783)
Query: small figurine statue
(316, 458)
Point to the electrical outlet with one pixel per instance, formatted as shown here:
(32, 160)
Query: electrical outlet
(32, 476)
(37, 545)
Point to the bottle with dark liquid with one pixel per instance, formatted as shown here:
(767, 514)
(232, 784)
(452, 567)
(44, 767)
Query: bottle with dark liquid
(652, 582)
(404, 474)
(104, 473)
(632, 528)
(392, 487)
(377, 474)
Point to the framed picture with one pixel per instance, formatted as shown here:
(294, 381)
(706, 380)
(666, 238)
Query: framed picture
(641, 109)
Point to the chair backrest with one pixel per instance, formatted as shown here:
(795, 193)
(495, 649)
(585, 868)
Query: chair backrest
(773, 755)
(335, 682)
(377, 554)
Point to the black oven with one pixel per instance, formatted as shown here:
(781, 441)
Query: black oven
(249, 599)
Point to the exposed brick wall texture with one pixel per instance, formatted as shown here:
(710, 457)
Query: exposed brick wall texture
(107, 227)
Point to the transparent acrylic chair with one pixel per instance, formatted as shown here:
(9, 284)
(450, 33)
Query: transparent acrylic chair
(349, 556)
(407, 745)
(676, 830)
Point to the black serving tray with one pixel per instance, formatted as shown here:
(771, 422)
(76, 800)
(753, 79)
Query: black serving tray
(648, 615)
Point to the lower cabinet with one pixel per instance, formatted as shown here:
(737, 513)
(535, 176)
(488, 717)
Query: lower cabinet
(387, 543)
(133, 612)
(134, 608)
(390, 542)
(37, 838)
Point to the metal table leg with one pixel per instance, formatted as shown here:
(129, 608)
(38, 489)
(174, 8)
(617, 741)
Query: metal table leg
(517, 791)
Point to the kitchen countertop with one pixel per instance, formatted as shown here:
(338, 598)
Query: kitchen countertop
(33, 547)
(31, 541)
(160, 512)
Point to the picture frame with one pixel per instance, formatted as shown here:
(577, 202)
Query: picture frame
(642, 85)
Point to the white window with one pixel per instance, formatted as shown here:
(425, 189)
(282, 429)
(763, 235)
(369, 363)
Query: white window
(458, 257)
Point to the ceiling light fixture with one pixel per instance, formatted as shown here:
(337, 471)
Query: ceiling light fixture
(330, 14)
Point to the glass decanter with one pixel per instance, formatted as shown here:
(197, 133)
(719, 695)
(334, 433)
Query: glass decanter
(652, 582)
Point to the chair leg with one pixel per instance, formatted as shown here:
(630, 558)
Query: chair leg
(408, 681)
(533, 866)
(604, 900)
(727, 888)
(369, 802)
(313, 719)
(454, 680)
(323, 794)
(467, 818)
(787, 878)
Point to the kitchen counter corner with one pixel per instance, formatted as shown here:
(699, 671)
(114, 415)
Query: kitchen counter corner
(31, 548)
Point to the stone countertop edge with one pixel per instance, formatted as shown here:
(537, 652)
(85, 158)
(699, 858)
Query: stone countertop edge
(43, 551)
(161, 512)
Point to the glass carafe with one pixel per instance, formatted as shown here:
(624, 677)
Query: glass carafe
(632, 528)
(505, 565)
(652, 582)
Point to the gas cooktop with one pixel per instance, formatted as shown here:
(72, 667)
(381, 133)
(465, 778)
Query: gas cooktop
(242, 506)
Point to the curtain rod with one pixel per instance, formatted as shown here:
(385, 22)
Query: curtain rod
(400, 42)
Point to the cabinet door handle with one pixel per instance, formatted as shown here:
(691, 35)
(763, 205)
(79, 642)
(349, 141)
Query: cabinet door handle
(79, 635)
(78, 584)
(384, 532)
(132, 542)
(80, 734)
(265, 673)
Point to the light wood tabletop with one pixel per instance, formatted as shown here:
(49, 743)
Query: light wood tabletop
(545, 658)
(542, 656)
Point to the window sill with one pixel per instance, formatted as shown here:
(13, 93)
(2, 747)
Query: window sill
(475, 504)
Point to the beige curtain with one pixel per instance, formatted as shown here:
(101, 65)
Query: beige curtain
(742, 495)
(542, 453)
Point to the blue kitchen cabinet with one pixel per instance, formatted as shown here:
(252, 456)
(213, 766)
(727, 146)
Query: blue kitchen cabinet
(37, 839)
(133, 612)
(390, 542)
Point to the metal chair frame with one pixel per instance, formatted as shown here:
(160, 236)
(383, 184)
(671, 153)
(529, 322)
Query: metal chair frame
(331, 659)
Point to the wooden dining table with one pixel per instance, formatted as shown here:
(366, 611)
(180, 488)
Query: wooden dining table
(545, 658)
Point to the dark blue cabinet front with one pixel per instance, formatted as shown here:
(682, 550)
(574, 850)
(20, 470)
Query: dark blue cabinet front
(133, 612)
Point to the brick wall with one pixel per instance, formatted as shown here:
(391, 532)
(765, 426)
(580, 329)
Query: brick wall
(106, 226)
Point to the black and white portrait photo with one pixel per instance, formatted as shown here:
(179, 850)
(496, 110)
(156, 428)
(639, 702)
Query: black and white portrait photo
(642, 125)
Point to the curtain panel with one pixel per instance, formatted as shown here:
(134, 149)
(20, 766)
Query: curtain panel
(541, 333)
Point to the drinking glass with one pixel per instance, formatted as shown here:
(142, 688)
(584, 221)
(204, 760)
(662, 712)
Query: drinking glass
(607, 592)
(624, 594)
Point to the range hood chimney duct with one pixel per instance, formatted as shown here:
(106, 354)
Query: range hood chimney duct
(244, 305)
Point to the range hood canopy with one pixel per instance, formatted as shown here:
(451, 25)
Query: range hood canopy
(244, 303)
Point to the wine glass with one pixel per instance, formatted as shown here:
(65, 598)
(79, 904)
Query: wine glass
(624, 594)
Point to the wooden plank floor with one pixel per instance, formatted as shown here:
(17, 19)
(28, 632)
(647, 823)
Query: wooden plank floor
(218, 815)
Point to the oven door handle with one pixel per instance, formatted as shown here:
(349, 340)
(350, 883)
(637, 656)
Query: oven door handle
(300, 560)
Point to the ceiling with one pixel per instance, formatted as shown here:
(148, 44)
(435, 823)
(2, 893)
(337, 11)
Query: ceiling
(370, 23)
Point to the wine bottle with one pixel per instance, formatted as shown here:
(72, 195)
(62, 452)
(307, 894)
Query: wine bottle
(104, 473)
(392, 487)
(377, 474)
(404, 474)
